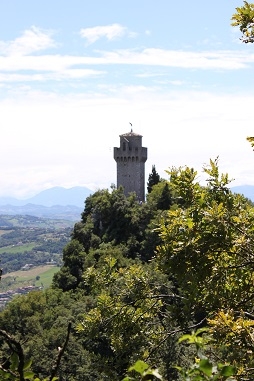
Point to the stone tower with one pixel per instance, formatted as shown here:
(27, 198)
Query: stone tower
(130, 159)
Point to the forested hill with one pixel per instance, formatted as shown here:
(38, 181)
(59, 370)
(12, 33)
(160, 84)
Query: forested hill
(139, 281)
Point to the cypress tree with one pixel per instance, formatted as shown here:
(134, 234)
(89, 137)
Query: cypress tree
(154, 178)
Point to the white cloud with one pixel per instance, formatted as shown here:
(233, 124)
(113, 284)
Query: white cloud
(110, 32)
(57, 76)
(226, 60)
(32, 40)
(55, 67)
(176, 83)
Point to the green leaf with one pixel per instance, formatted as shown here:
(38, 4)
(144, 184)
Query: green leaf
(201, 330)
(27, 364)
(14, 361)
(28, 374)
(190, 338)
(198, 377)
(4, 375)
(227, 371)
(190, 223)
(139, 366)
(206, 367)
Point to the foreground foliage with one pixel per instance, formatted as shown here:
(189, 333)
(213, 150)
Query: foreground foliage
(135, 278)
(244, 19)
(208, 253)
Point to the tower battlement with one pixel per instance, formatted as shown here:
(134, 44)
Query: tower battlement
(130, 158)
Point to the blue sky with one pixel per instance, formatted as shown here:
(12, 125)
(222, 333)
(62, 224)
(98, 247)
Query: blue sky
(74, 74)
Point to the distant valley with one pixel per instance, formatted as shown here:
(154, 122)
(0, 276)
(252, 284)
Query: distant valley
(31, 252)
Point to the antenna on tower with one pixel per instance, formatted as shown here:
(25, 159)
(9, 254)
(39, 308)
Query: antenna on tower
(131, 126)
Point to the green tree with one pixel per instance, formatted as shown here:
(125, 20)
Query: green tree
(210, 240)
(207, 251)
(244, 19)
(130, 312)
(160, 196)
(153, 179)
(112, 215)
(111, 218)
(131, 301)
(70, 275)
(40, 321)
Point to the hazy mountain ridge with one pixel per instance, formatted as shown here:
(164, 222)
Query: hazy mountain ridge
(246, 190)
(53, 196)
(68, 204)
(67, 212)
(56, 203)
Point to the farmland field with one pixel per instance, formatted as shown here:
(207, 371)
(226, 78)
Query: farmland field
(32, 273)
(21, 278)
(17, 248)
(46, 277)
(27, 240)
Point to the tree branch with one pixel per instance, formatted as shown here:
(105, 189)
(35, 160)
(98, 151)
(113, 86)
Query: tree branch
(60, 354)
(171, 333)
(17, 348)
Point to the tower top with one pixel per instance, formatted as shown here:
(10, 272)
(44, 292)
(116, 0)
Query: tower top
(131, 133)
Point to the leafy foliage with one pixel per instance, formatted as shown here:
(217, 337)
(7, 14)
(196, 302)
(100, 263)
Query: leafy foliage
(208, 251)
(208, 243)
(112, 218)
(16, 368)
(161, 196)
(244, 19)
(204, 368)
(251, 140)
(136, 277)
(39, 321)
(130, 308)
(141, 371)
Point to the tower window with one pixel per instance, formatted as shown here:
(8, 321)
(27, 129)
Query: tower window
(124, 146)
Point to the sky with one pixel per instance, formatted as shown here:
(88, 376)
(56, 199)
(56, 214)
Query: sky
(75, 74)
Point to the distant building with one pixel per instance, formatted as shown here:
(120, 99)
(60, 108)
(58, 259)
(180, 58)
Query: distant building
(27, 266)
(130, 158)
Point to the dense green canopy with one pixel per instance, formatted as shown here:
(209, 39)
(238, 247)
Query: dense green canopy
(136, 277)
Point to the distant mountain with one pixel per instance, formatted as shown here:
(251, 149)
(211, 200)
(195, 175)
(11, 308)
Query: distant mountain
(58, 212)
(246, 190)
(56, 203)
(54, 196)
(68, 204)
